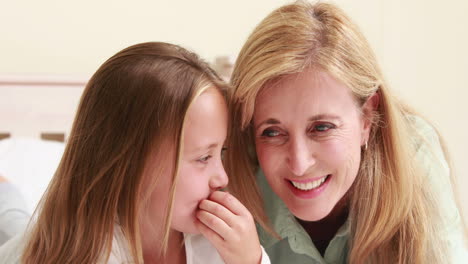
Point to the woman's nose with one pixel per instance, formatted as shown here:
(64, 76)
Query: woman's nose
(300, 156)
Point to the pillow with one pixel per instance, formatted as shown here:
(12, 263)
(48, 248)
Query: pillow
(30, 164)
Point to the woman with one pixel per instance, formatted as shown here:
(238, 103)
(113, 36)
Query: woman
(347, 172)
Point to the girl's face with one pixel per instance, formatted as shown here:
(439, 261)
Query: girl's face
(200, 170)
(308, 136)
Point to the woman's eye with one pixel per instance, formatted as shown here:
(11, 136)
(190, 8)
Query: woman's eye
(322, 127)
(270, 133)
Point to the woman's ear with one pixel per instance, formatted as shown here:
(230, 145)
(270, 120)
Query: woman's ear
(368, 110)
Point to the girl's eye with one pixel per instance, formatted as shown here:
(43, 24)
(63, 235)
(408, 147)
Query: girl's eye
(223, 150)
(204, 159)
(270, 133)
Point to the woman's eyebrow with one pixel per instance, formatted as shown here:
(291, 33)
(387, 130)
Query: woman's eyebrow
(272, 121)
(269, 121)
(324, 116)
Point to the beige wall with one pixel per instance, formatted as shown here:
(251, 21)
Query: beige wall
(425, 57)
(420, 44)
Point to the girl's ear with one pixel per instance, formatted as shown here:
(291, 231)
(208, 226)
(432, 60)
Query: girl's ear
(368, 110)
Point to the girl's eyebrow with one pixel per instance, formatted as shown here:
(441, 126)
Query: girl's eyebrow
(205, 147)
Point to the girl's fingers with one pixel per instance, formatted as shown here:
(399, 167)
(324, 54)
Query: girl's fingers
(214, 223)
(211, 235)
(230, 202)
(218, 210)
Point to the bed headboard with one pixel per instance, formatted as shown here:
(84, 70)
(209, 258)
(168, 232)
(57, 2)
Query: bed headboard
(38, 106)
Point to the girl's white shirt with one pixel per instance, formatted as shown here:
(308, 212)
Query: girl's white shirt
(198, 250)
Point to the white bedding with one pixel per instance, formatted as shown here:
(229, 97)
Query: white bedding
(30, 164)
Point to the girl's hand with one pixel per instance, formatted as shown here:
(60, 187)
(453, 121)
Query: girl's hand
(230, 227)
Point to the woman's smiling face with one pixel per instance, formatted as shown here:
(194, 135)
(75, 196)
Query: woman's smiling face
(308, 136)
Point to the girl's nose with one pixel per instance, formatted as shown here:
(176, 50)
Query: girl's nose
(219, 180)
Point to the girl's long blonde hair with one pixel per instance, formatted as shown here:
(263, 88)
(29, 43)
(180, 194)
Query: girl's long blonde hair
(394, 216)
(133, 107)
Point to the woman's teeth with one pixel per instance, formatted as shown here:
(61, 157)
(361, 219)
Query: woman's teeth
(307, 186)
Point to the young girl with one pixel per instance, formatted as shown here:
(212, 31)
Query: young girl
(142, 169)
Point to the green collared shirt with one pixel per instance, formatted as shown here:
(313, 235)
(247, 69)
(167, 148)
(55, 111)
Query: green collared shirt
(297, 247)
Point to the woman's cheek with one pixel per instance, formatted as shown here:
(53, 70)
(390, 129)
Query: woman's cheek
(344, 159)
(271, 160)
(334, 151)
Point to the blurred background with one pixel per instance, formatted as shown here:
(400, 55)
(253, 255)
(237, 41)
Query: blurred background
(49, 49)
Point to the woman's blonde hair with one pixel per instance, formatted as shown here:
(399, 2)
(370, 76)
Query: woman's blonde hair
(132, 108)
(393, 216)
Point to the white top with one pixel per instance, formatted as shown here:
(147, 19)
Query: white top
(197, 248)
(13, 212)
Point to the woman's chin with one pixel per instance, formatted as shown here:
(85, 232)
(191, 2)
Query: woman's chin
(310, 215)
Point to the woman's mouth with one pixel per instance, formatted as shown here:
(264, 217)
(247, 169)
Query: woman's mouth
(307, 186)
(309, 189)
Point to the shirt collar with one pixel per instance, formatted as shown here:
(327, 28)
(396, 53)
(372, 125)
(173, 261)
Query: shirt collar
(286, 225)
